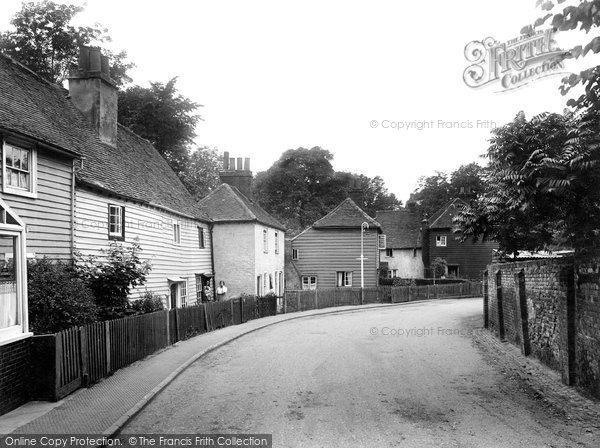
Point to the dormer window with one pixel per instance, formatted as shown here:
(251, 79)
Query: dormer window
(19, 170)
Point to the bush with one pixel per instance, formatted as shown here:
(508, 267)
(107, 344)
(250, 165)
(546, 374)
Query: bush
(58, 298)
(149, 302)
(111, 281)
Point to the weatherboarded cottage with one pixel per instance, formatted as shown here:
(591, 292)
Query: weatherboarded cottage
(248, 242)
(464, 259)
(327, 254)
(73, 179)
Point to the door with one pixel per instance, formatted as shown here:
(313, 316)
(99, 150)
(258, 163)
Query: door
(174, 292)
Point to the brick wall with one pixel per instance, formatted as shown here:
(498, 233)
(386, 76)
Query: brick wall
(14, 367)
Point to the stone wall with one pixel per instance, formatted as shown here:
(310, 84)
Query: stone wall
(549, 308)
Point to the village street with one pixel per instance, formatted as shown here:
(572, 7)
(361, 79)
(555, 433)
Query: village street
(399, 376)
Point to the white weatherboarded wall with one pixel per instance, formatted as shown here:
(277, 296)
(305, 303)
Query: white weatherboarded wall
(154, 228)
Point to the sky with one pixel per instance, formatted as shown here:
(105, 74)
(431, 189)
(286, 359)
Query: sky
(278, 75)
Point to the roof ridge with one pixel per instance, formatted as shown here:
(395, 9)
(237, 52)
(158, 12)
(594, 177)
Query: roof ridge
(237, 198)
(445, 209)
(30, 71)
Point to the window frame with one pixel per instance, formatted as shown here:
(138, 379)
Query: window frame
(183, 298)
(389, 252)
(201, 238)
(266, 241)
(310, 283)
(344, 279)
(177, 233)
(276, 242)
(32, 160)
(118, 236)
(295, 254)
(441, 241)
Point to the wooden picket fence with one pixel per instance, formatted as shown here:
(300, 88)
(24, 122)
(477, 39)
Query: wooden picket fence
(81, 356)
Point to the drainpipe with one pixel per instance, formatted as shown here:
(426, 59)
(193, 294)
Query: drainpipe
(212, 259)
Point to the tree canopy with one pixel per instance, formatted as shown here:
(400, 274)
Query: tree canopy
(302, 186)
(201, 175)
(44, 40)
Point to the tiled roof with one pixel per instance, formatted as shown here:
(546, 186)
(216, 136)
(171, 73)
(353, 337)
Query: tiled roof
(345, 215)
(401, 227)
(227, 204)
(33, 107)
(442, 219)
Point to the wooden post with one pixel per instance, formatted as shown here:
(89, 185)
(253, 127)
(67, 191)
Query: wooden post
(285, 293)
(362, 296)
(231, 303)
(409, 292)
(177, 329)
(168, 329)
(58, 365)
(242, 309)
(107, 342)
(83, 354)
(298, 299)
(316, 300)
(427, 292)
(461, 292)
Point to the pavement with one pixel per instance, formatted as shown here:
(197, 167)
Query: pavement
(106, 406)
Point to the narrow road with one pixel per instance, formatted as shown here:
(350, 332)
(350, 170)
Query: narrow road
(404, 376)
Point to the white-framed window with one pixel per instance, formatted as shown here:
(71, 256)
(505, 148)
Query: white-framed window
(265, 280)
(116, 222)
(295, 254)
(259, 285)
(201, 242)
(389, 253)
(271, 285)
(309, 282)
(392, 273)
(177, 233)
(265, 241)
(183, 293)
(440, 241)
(381, 242)
(19, 170)
(276, 242)
(344, 278)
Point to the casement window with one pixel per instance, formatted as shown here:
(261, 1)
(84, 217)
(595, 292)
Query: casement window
(177, 233)
(259, 285)
(440, 241)
(265, 241)
(19, 168)
(183, 293)
(389, 253)
(381, 241)
(271, 287)
(392, 273)
(309, 282)
(276, 242)
(344, 278)
(116, 222)
(201, 243)
(295, 254)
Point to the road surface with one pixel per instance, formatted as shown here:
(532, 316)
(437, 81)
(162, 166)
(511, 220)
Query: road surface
(403, 376)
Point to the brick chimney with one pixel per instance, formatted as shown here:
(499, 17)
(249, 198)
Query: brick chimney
(236, 172)
(357, 194)
(93, 92)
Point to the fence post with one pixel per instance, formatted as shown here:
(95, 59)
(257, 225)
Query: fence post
(285, 293)
(168, 329)
(177, 332)
(362, 296)
(316, 300)
(58, 354)
(461, 289)
(298, 299)
(231, 303)
(83, 355)
(427, 292)
(107, 342)
(409, 292)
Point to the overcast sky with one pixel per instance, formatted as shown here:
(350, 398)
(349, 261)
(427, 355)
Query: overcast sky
(276, 75)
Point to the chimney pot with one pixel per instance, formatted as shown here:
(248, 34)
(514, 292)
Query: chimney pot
(247, 164)
(226, 160)
(239, 164)
(104, 67)
(95, 60)
(84, 58)
(231, 163)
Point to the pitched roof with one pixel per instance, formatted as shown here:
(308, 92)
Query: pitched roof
(36, 108)
(345, 215)
(401, 227)
(227, 204)
(442, 219)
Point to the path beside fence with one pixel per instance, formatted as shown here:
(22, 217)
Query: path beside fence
(108, 405)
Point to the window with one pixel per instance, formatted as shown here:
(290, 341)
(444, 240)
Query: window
(344, 278)
(271, 287)
(294, 254)
(19, 169)
(176, 233)
(265, 279)
(276, 242)
(440, 241)
(382, 241)
(392, 273)
(201, 243)
(116, 222)
(265, 241)
(309, 282)
(415, 252)
(259, 285)
(183, 293)
(389, 253)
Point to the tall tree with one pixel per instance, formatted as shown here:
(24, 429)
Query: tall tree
(164, 117)
(44, 40)
(201, 175)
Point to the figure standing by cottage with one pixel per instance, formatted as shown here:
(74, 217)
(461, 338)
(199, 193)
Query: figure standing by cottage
(221, 291)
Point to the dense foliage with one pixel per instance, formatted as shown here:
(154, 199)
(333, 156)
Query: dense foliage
(302, 186)
(149, 302)
(44, 40)
(58, 297)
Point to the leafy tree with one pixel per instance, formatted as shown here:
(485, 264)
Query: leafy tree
(440, 267)
(112, 277)
(58, 298)
(527, 200)
(44, 40)
(165, 118)
(201, 175)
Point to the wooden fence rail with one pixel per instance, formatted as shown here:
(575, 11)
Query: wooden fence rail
(70, 359)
